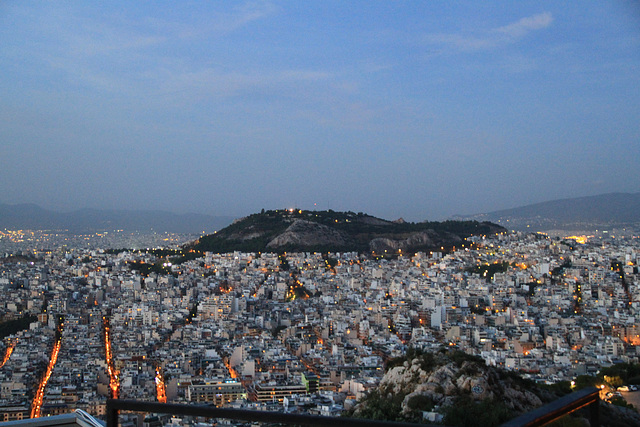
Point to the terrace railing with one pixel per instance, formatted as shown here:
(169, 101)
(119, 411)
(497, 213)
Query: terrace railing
(116, 405)
(588, 397)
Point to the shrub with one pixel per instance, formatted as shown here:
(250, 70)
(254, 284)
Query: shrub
(466, 412)
(420, 402)
(375, 406)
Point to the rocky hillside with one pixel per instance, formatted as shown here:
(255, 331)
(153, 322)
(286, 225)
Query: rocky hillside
(452, 384)
(322, 231)
(459, 390)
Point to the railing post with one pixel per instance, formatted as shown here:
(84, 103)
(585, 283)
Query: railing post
(594, 413)
(112, 414)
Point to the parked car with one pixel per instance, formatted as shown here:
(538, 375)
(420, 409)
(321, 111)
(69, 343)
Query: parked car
(623, 388)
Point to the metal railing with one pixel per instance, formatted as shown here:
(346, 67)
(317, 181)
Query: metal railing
(588, 397)
(116, 405)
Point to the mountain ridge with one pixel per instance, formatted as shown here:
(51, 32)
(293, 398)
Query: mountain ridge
(604, 210)
(32, 216)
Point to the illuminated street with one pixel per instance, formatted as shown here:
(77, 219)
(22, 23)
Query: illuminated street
(114, 381)
(161, 391)
(36, 407)
(7, 354)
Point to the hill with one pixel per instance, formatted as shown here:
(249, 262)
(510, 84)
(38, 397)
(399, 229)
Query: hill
(603, 211)
(458, 389)
(33, 217)
(324, 231)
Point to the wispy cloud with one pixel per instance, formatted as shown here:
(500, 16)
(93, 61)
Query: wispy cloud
(494, 37)
(120, 54)
(223, 22)
(526, 25)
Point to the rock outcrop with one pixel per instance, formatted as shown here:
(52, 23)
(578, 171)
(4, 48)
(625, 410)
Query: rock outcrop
(447, 381)
(450, 382)
(428, 238)
(306, 233)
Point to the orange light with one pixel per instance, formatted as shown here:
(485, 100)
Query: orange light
(7, 354)
(36, 408)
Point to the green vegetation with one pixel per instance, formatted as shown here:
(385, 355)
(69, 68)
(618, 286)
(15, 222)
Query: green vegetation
(284, 263)
(577, 298)
(558, 271)
(275, 331)
(489, 270)
(145, 269)
(193, 312)
(388, 406)
(187, 255)
(461, 408)
(174, 256)
(298, 292)
(10, 327)
(559, 388)
(429, 360)
(420, 402)
(253, 233)
(331, 263)
(628, 373)
(467, 412)
(620, 401)
(375, 406)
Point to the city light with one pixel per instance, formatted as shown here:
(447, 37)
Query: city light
(114, 380)
(161, 391)
(36, 406)
(7, 354)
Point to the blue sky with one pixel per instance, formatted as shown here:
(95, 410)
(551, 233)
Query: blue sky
(404, 109)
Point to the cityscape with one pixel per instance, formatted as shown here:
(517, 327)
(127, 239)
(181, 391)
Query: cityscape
(303, 332)
(351, 212)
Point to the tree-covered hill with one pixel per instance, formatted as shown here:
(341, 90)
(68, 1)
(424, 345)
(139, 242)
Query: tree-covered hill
(323, 231)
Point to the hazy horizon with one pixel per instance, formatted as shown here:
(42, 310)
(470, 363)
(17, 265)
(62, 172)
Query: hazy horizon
(221, 215)
(414, 110)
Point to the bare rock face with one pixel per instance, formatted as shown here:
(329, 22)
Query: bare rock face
(308, 233)
(382, 244)
(246, 235)
(477, 386)
(447, 380)
(429, 238)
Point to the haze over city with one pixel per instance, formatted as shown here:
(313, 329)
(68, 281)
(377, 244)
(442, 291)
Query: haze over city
(413, 109)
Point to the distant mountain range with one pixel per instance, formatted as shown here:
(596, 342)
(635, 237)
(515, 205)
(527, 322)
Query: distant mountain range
(603, 211)
(30, 216)
(328, 231)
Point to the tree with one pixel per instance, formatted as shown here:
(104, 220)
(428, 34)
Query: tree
(467, 412)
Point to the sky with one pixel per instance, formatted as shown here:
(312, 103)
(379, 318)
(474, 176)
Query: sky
(411, 109)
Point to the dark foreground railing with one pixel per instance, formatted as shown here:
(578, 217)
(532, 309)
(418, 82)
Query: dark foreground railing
(587, 397)
(116, 405)
(558, 408)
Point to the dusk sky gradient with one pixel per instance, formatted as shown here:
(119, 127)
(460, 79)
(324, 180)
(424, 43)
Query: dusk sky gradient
(413, 109)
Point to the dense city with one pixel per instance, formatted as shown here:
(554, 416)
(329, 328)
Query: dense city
(302, 332)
